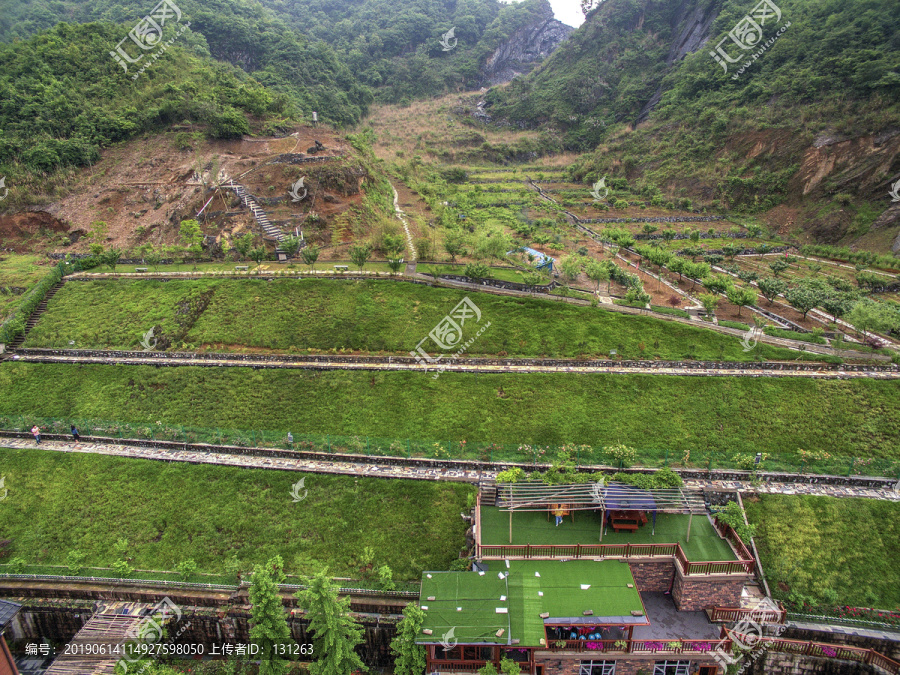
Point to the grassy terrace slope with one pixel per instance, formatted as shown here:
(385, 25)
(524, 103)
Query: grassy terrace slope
(827, 551)
(174, 512)
(858, 418)
(289, 315)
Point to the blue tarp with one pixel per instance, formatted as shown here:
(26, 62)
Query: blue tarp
(621, 497)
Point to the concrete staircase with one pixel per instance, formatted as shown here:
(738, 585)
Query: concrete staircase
(250, 202)
(35, 317)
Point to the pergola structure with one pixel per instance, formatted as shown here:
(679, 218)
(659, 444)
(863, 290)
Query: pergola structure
(600, 496)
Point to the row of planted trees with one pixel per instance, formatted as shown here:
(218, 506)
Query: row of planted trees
(335, 633)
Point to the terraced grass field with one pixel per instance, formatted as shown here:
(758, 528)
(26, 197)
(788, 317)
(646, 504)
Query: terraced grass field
(829, 551)
(317, 315)
(61, 502)
(691, 417)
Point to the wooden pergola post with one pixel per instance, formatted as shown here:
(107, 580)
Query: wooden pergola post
(510, 526)
(602, 521)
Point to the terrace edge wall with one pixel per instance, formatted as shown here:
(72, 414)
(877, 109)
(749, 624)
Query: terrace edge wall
(694, 594)
(653, 576)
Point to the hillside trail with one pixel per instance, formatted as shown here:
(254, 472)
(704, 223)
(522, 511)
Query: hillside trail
(424, 469)
(413, 212)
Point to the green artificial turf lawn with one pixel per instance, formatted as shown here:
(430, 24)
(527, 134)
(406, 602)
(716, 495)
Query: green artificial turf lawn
(478, 596)
(848, 418)
(467, 602)
(173, 512)
(831, 551)
(533, 528)
(292, 315)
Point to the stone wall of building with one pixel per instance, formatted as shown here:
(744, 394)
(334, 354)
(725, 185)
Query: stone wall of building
(653, 576)
(695, 594)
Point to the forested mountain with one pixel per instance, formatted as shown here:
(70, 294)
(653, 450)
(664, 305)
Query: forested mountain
(62, 97)
(811, 110)
(327, 53)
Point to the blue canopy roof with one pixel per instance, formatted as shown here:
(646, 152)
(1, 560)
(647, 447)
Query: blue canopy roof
(621, 497)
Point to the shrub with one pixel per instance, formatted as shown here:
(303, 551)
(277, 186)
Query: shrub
(186, 568)
(123, 569)
(620, 453)
(513, 475)
(75, 561)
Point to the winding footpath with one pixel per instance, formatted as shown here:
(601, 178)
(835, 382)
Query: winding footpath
(402, 217)
(410, 470)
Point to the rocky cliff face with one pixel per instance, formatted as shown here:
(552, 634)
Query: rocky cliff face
(525, 48)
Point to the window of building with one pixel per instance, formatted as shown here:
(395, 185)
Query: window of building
(598, 668)
(452, 654)
(672, 668)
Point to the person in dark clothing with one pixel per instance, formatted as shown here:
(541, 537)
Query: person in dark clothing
(75, 435)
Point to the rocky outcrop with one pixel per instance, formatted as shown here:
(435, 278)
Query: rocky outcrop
(692, 23)
(525, 48)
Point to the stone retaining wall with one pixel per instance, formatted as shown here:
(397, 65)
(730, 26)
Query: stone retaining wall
(506, 285)
(694, 594)
(775, 663)
(653, 576)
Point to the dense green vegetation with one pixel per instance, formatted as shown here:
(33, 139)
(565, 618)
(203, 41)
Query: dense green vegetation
(709, 417)
(289, 315)
(223, 518)
(824, 551)
(637, 37)
(327, 56)
(63, 98)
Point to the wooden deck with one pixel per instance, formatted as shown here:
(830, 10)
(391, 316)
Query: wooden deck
(102, 632)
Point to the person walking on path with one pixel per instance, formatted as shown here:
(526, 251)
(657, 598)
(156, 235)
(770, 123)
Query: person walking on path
(36, 432)
(75, 435)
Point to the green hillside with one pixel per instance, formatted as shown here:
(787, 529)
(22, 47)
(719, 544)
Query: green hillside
(810, 124)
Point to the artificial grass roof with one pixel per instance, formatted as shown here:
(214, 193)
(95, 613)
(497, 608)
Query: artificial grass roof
(467, 602)
(533, 528)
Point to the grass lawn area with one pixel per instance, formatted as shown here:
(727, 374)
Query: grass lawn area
(688, 416)
(318, 315)
(172, 512)
(533, 528)
(17, 272)
(826, 550)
